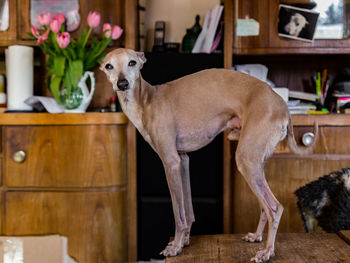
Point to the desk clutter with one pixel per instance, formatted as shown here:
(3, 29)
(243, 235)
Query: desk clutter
(331, 94)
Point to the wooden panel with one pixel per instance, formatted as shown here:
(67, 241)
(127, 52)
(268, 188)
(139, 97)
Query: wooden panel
(284, 177)
(258, 10)
(290, 248)
(11, 33)
(283, 43)
(227, 178)
(112, 11)
(63, 119)
(94, 222)
(60, 156)
(331, 140)
(132, 193)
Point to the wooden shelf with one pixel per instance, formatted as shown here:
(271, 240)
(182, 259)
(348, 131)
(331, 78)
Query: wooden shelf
(288, 51)
(322, 120)
(63, 118)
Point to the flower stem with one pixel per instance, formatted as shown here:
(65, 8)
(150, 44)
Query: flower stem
(87, 36)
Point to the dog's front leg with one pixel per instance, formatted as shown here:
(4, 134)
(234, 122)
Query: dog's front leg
(186, 184)
(172, 166)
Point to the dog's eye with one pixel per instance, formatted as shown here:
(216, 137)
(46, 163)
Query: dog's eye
(108, 66)
(132, 63)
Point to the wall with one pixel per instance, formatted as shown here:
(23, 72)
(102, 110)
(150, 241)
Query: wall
(178, 15)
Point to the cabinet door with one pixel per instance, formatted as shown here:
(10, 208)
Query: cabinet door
(280, 42)
(259, 11)
(66, 156)
(112, 11)
(94, 222)
(11, 32)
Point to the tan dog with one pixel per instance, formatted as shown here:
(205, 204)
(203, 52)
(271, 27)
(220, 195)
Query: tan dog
(186, 114)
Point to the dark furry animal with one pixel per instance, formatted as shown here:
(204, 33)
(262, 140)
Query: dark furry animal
(325, 203)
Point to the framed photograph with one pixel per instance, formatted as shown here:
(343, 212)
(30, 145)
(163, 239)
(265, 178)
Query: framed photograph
(297, 23)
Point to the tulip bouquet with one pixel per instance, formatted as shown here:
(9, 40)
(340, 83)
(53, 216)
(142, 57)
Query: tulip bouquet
(69, 58)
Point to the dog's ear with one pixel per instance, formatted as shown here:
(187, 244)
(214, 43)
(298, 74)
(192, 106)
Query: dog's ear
(141, 57)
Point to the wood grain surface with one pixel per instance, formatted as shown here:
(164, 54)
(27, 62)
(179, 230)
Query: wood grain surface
(290, 248)
(66, 156)
(94, 222)
(63, 118)
(285, 173)
(345, 234)
(284, 177)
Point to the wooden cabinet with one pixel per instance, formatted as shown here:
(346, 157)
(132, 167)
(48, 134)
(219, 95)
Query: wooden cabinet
(286, 172)
(112, 11)
(73, 182)
(268, 41)
(10, 33)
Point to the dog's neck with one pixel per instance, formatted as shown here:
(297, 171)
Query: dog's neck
(133, 100)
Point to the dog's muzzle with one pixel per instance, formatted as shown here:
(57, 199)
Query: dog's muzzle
(123, 84)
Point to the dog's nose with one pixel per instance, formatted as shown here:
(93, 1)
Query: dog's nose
(123, 84)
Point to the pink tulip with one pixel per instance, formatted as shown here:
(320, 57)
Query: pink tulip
(117, 31)
(93, 19)
(107, 28)
(60, 17)
(44, 37)
(34, 31)
(55, 25)
(63, 39)
(45, 19)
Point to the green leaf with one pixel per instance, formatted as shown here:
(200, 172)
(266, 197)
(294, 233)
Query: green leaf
(59, 63)
(75, 72)
(55, 87)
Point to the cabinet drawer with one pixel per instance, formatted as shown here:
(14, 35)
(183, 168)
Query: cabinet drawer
(331, 140)
(95, 223)
(66, 156)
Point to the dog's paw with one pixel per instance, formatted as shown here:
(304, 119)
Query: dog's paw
(171, 250)
(263, 255)
(252, 237)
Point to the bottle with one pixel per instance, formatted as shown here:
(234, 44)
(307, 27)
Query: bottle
(2, 91)
(112, 104)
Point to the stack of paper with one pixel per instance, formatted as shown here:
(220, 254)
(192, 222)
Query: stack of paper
(297, 107)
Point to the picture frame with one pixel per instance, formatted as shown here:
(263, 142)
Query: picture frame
(297, 23)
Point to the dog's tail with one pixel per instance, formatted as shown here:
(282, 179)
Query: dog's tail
(292, 143)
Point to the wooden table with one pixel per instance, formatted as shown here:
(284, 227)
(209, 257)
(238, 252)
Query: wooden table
(291, 248)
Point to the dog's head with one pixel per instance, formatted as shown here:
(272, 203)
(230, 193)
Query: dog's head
(122, 67)
(296, 24)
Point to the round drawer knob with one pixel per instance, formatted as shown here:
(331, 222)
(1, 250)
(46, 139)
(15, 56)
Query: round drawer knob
(308, 138)
(19, 156)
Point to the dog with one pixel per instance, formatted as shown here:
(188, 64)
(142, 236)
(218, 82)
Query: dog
(186, 114)
(324, 204)
(296, 24)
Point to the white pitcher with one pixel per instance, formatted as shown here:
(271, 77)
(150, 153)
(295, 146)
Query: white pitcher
(87, 95)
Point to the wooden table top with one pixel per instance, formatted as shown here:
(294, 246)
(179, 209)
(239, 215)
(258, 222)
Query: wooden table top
(290, 247)
(89, 118)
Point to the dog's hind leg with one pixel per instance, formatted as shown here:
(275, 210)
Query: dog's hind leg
(252, 151)
(257, 236)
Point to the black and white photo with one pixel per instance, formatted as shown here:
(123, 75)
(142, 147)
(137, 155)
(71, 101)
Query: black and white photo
(297, 23)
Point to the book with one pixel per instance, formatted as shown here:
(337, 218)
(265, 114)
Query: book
(205, 40)
(302, 95)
